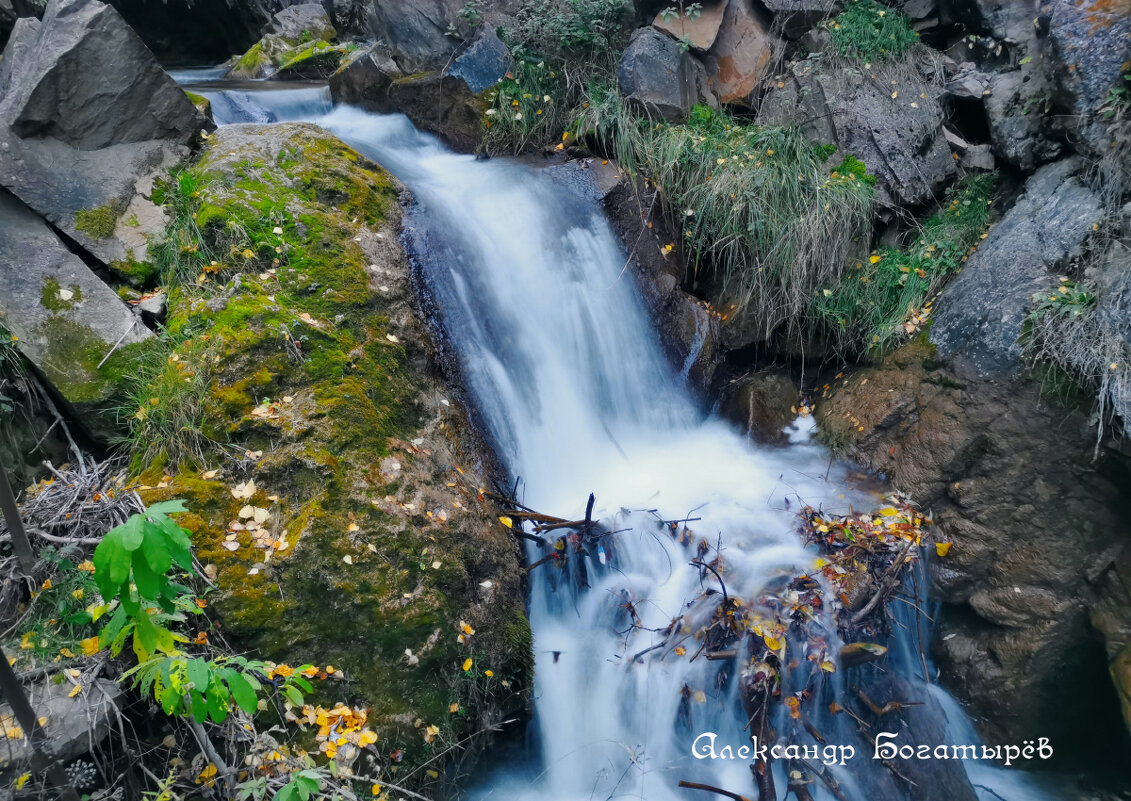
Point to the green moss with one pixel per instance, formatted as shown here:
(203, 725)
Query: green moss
(97, 223)
(252, 61)
(291, 345)
(54, 298)
(139, 274)
(317, 59)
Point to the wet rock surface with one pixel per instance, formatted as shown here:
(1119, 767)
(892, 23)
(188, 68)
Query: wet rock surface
(1037, 540)
(982, 313)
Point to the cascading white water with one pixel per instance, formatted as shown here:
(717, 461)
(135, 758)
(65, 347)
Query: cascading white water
(570, 381)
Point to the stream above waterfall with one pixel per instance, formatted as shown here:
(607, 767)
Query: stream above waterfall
(572, 389)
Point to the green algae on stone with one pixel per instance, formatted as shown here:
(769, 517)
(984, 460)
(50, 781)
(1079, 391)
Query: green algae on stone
(382, 547)
(97, 223)
(55, 298)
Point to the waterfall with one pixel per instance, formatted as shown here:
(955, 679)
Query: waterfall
(576, 395)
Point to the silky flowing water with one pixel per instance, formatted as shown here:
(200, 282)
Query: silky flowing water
(571, 385)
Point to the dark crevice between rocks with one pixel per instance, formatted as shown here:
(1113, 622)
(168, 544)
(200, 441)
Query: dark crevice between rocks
(100, 270)
(194, 32)
(967, 116)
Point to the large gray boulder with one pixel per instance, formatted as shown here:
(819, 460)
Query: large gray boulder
(91, 82)
(418, 31)
(364, 77)
(897, 134)
(1017, 106)
(88, 121)
(486, 62)
(980, 316)
(795, 17)
(73, 725)
(658, 75)
(66, 319)
(1089, 50)
(307, 21)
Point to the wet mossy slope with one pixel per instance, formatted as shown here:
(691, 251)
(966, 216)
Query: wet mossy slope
(294, 361)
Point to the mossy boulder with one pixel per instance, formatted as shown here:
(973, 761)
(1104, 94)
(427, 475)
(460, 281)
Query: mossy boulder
(293, 336)
(297, 46)
(64, 319)
(315, 61)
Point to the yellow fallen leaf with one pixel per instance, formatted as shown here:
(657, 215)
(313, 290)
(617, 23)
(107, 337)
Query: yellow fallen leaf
(889, 511)
(353, 527)
(680, 651)
(942, 548)
(506, 521)
(77, 689)
(453, 708)
(90, 646)
(773, 643)
(874, 258)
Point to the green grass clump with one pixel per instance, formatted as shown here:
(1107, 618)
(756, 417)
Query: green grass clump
(880, 301)
(561, 51)
(97, 223)
(765, 218)
(867, 31)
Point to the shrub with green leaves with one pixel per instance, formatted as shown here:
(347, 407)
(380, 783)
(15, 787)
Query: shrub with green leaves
(867, 31)
(881, 300)
(133, 569)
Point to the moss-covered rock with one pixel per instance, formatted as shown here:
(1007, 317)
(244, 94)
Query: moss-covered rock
(313, 61)
(293, 317)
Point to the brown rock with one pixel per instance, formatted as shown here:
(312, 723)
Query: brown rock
(700, 32)
(743, 51)
(1037, 540)
(763, 404)
(441, 105)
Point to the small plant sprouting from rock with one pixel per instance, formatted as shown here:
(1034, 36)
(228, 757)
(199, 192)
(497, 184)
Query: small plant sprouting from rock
(867, 31)
(881, 301)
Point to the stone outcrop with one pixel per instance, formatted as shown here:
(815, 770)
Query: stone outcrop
(742, 53)
(88, 120)
(763, 403)
(794, 17)
(66, 319)
(303, 21)
(440, 103)
(699, 32)
(897, 132)
(417, 31)
(75, 724)
(366, 460)
(1038, 547)
(93, 83)
(364, 77)
(981, 313)
(486, 62)
(296, 35)
(657, 75)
